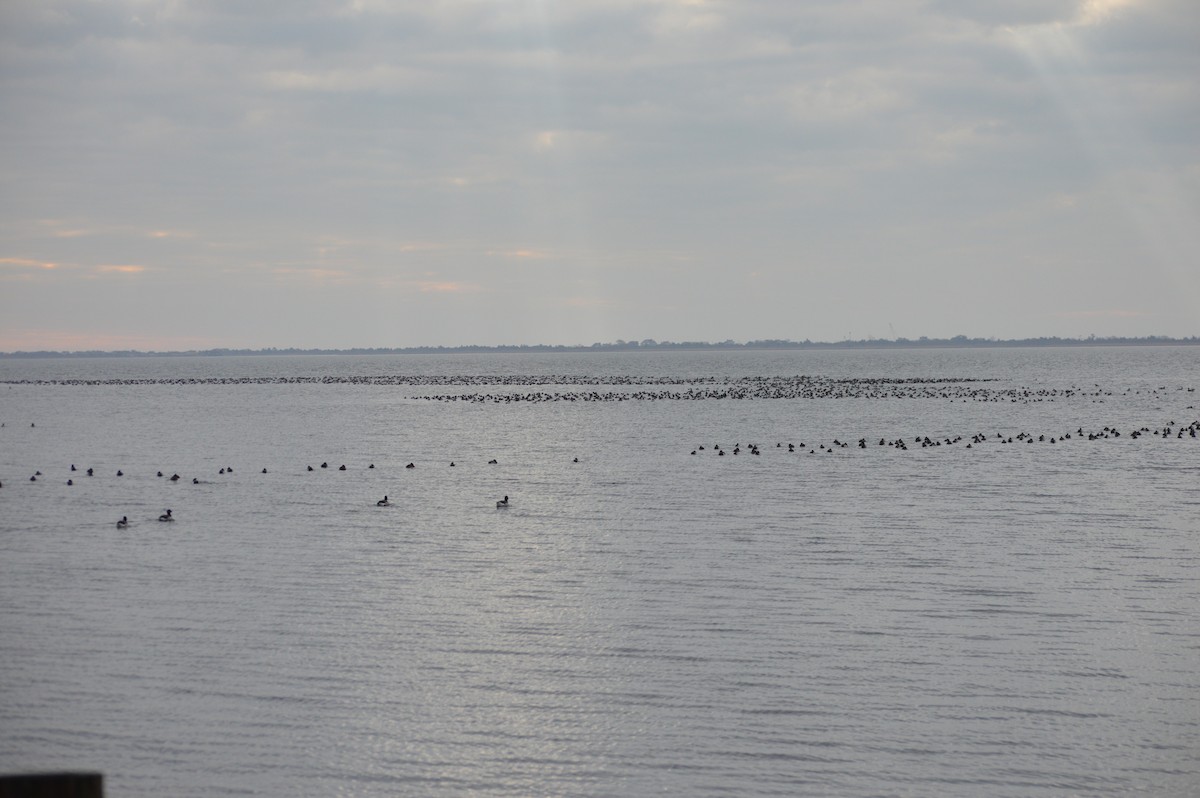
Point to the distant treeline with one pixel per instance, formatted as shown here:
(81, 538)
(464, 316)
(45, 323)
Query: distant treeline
(649, 344)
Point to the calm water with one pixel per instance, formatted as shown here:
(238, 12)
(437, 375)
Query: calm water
(1001, 620)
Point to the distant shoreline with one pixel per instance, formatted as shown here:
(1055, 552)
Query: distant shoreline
(648, 345)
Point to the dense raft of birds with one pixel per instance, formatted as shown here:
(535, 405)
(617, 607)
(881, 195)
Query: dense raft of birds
(388, 379)
(1170, 430)
(572, 388)
(805, 387)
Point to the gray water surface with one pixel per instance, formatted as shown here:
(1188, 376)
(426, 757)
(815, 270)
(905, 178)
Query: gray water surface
(1004, 620)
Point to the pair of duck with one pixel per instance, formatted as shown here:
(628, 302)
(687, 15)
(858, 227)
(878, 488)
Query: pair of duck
(124, 522)
(385, 503)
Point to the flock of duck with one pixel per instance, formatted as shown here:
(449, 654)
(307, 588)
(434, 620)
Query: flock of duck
(168, 515)
(708, 388)
(667, 388)
(797, 387)
(1170, 430)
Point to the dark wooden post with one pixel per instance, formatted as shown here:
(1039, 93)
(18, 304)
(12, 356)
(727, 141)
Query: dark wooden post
(52, 785)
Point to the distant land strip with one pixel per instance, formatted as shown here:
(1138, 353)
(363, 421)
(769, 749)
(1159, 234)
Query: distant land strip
(648, 345)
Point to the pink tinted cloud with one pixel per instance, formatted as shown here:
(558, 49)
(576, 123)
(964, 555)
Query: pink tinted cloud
(121, 268)
(54, 340)
(28, 263)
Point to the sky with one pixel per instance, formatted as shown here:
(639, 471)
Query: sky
(193, 174)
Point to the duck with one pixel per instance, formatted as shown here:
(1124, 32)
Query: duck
(124, 522)
(503, 502)
(166, 516)
(383, 502)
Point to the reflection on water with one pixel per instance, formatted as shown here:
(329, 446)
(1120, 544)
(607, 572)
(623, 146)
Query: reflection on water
(1004, 620)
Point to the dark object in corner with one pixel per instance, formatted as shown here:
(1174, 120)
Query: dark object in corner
(52, 785)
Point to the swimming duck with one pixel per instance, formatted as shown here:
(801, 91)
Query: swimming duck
(124, 522)
(503, 502)
(166, 516)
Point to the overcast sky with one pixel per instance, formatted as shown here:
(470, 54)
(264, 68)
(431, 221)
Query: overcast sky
(187, 174)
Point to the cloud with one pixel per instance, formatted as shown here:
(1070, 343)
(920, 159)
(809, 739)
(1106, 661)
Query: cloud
(124, 268)
(313, 274)
(372, 78)
(42, 339)
(884, 152)
(1095, 12)
(520, 254)
(853, 95)
(28, 263)
(1005, 13)
(568, 140)
(446, 287)
(585, 302)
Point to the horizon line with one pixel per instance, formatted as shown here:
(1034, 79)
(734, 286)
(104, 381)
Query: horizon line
(648, 344)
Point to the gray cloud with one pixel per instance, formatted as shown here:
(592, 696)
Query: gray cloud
(655, 161)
